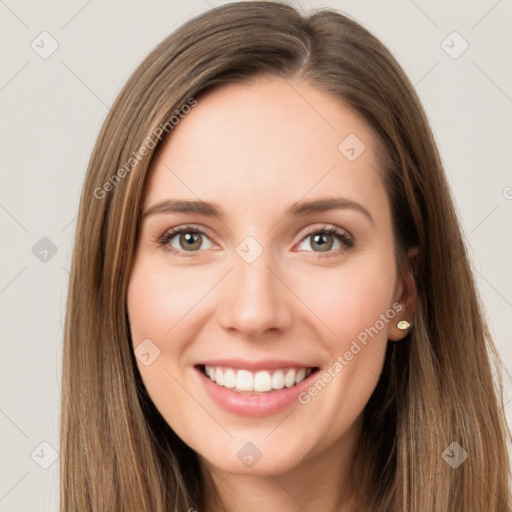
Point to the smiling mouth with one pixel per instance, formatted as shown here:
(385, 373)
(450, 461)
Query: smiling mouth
(258, 382)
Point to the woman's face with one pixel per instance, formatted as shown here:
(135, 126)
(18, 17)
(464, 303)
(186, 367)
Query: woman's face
(289, 322)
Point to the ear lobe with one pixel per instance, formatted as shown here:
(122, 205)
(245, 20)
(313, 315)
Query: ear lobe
(407, 299)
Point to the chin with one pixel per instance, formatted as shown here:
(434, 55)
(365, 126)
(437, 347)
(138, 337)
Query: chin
(256, 459)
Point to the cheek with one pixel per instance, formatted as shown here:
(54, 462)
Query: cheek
(351, 300)
(355, 303)
(159, 303)
(165, 305)
(159, 298)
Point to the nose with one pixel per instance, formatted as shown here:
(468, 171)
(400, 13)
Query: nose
(255, 298)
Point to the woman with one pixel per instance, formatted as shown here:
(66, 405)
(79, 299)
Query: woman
(271, 305)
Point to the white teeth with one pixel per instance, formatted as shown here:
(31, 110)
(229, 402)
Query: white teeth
(219, 377)
(301, 375)
(229, 378)
(278, 380)
(289, 378)
(244, 381)
(260, 382)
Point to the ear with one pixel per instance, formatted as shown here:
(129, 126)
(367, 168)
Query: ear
(405, 295)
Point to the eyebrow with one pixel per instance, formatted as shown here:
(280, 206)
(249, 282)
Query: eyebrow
(299, 208)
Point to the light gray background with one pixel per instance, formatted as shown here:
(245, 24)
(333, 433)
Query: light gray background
(52, 110)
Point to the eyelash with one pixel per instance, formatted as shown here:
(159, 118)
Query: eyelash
(343, 236)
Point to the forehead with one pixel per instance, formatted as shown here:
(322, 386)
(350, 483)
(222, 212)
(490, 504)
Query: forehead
(265, 141)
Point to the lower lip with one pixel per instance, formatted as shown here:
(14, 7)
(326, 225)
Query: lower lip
(253, 405)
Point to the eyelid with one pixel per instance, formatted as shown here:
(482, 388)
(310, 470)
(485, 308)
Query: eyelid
(320, 228)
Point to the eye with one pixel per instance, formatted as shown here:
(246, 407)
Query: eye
(187, 240)
(191, 239)
(326, 238)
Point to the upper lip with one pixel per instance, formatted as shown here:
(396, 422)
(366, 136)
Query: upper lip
(252, 365)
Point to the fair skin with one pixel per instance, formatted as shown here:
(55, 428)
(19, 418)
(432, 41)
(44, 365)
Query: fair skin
(254, 150)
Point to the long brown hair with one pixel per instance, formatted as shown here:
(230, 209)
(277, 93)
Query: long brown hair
(438, 386)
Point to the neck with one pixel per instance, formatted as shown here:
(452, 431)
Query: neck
(320, 483)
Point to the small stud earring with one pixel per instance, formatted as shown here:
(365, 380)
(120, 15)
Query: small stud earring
(403, 325)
